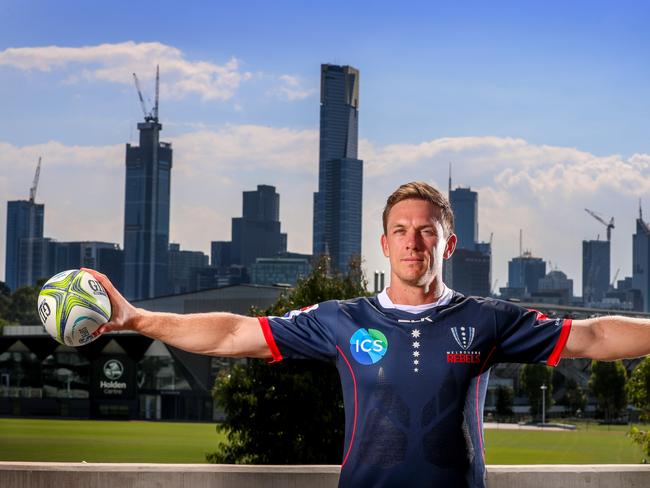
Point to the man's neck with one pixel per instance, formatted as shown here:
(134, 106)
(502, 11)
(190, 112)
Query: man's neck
(405, 294)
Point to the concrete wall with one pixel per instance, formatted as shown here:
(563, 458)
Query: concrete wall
(77, 475)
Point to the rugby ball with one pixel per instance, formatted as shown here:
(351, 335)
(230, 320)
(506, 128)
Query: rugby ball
(72, 305)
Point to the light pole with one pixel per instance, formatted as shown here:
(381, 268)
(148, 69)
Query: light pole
(543, 388)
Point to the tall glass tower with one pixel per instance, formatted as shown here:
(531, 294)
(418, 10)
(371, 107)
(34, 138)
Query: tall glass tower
(464, 203)
(337, 204)
(641, 260)
(146, 213)
(24, 223)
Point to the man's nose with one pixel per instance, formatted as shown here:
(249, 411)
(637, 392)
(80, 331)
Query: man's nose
(412, 240)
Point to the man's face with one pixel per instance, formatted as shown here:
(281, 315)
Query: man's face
(415, 242)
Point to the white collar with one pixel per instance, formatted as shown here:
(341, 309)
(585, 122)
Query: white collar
(386, 302)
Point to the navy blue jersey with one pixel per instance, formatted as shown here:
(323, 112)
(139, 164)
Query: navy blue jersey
(414, 384)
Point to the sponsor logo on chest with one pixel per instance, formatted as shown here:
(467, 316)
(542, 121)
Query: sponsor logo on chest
(368, 346)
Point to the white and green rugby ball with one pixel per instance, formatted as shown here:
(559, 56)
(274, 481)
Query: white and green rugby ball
(72, 306)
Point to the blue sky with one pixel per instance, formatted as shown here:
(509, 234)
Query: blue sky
(543, 107)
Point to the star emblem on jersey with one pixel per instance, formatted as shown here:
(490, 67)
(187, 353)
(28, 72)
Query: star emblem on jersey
(464, 336)
(415, 334)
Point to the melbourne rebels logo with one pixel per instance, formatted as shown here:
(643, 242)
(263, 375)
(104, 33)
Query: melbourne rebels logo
(464, 336)
(368, 346)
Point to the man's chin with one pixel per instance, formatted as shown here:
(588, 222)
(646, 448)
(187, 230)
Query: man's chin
(420, 279)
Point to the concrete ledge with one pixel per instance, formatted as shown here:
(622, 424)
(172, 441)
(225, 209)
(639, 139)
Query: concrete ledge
(132, 475)
(570, 476)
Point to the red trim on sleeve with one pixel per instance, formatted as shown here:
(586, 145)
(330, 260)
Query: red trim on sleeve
(354, 422)
(268, 335)
(554, 358)
(478, 410)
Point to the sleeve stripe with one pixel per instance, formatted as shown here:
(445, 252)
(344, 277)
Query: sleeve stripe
(268, 336)
(554, 358)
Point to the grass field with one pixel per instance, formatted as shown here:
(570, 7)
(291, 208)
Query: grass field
(106, 441)
(592, 444)
(161, 442)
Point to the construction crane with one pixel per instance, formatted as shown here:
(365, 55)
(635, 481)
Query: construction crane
(153, 115)
(32, 190)
(609, 225)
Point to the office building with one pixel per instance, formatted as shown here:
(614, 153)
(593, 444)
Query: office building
(554, 288)
(524, 273)
(146, 213)
(595, 271)
(464, 203)
(24, 221)
(286, 269)
(641, 261)
(338, 202)
(105, 257)
(468, 272)
(256, 234)
(36, 260)
(220, 252)
(183, 268)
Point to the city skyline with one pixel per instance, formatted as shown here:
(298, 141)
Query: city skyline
(566, 137)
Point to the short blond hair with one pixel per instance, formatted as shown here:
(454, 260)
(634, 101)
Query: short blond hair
(418, 190)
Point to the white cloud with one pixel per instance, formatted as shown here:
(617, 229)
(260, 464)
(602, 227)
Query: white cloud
(83, 186)
(292, 88)
(540, 189)
(115, 63)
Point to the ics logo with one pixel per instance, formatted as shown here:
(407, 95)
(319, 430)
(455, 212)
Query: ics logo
(368, 346)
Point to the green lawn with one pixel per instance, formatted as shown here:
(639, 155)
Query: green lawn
(106, 441)
(161, 442)
(592, 444)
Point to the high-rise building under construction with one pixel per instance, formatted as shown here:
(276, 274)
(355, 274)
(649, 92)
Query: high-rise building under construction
(146, 210)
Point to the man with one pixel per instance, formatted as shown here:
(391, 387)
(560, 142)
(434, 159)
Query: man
(414, 361)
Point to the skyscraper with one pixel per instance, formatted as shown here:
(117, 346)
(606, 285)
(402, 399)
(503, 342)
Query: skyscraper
(464, 203)
(337, 204)
(469, 269)
(24, 221)
(595, 271)
(146, 213)
(641, 260)
(256, 234)
(525, 271)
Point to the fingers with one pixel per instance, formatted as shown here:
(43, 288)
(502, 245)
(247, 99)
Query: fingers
(103, 280)
(119, 304)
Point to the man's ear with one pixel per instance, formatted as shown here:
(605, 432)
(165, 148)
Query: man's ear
(384, 245)
(450, 247)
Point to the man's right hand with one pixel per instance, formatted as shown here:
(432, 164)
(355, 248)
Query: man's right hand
(123, 314)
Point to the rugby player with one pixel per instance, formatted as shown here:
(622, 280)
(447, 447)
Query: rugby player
(413, 361)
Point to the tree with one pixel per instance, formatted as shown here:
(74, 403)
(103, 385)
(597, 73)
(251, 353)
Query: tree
(638, 388)
(23, 307)
(505, 401)
(607, 383)
(291, 412)
(642, 438)
(533, 376)
(574, 397)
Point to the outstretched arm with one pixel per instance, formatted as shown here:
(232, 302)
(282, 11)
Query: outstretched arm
(215, 334)
(608, 338)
